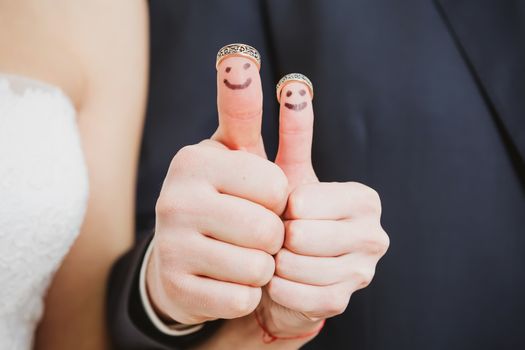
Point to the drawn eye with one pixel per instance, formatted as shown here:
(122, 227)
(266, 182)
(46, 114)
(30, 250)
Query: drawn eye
(302, 92)
(228, 69)
(288, 93)
(246, 66)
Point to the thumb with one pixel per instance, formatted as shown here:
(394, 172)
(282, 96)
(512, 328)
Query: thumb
(239, 99)
(295, 93)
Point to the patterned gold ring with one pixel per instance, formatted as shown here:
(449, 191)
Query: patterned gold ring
(293, 77)
(242, 50)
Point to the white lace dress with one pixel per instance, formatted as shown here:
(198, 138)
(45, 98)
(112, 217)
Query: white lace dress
(43, 196)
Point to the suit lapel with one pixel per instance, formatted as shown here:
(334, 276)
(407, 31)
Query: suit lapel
(491, 36)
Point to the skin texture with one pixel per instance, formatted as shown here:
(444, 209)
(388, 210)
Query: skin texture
(71, 44)
(240, 110)
(333, 235)
(299, 106)
(218, 214)
(237, 234)
(244, 85)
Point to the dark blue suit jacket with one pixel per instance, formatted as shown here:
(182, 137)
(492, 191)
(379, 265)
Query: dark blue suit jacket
(422, 100)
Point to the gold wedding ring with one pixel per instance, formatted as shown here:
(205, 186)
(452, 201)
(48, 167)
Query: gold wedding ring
(288, 78)
(241, 50)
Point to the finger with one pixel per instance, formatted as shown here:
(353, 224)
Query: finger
(226, 262)
(333, 201)
(313, 270)
(241, 222)
(239, 101)
(247, 176)
(322, 238)
(214, 299)
(313, 301)
(240, 174)
(326, 238)
(296, 132)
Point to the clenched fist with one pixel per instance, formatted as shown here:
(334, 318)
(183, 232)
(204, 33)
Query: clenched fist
(238, 235)
(333, 235)
(218, 214)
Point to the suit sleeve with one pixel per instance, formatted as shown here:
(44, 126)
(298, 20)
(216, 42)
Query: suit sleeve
(129, 326)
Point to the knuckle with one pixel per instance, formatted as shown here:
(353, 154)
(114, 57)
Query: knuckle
(243, 302)
(269, 233)
(183, 201)
(173, 206)
(174, 285)
(186, 156)
(273, 291)
(373, 201)
(163, 250)
(189, 162)
(243, 109)
(165, 206)
(293, 235)
(373, 196)
(284, 263)
(370, 199)
(377, 243)
(297, 201)
(363, 277)
(262, 269)
(171, 256)
(280, 263)
(383, 242)
(171, 293)
(277, 188)
(336, 302)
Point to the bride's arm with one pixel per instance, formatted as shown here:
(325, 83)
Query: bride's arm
(96, 51)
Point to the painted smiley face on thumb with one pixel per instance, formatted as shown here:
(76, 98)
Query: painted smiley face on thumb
(239, 99)
(295, 94)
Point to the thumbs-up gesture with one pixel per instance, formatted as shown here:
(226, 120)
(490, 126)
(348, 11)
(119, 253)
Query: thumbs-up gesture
(218, 215)
(333, 236)
(238, 235)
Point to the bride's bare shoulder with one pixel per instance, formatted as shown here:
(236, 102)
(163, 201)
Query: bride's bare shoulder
(71, 44)
(96, 52)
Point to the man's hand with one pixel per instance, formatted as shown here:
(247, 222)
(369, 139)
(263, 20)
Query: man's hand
(333, 237)
(218, 214)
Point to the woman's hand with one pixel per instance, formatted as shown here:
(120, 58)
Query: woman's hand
(333, 237)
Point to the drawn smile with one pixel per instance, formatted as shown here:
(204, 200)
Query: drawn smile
(296, 106)
(238, 86)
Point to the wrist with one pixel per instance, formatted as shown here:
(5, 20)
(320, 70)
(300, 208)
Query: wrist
(151, 285)
(160, 320)
(246, 333)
